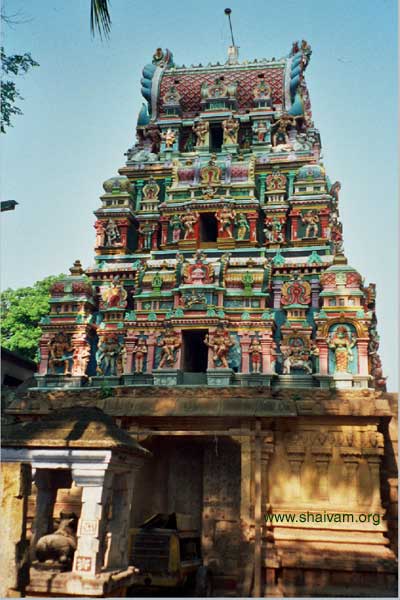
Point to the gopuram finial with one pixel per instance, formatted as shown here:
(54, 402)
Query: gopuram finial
(233, 50)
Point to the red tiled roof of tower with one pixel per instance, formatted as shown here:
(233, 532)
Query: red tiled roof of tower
(188, 84)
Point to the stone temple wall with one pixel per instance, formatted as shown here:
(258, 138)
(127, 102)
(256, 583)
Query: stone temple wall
(171, 481)
(226, 459)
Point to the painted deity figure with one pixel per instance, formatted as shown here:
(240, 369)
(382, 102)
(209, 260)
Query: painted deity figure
(255, 351)
(282, 125)
(139, 275)
(334, 191)
(225, 216)
(311, 220)
(314, 354)
(276, 181)
(112, 234)
(99, 227)
(180, 260)
(169, 343)
(336, 235)
(198, 274)
(169, 138)
(189, 144)
(274, 356)
(220, 346)
(297, 358)
(139, 351)
(210, 174)
(151, 190)
(242, 226)
(231, 129)
(201, 130)
(342, 342)
(108, 356)
(158, 57)
(81, 359)
(262, 91)
(146, 231)
(224, 263)
(152, 136)
(260, 130)
(295, 291)
(115, 294)
(60, 353)
(176, 228)
(172, 96)
(189, 220)
(273, 231)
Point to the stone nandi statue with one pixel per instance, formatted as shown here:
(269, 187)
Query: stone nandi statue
(60, 545)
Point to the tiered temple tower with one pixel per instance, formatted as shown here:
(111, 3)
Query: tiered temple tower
(223, 327)
(219, 248)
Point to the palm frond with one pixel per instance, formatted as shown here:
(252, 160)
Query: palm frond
(100, 20)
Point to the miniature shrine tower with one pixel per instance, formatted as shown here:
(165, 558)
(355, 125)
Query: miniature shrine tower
(222, 325)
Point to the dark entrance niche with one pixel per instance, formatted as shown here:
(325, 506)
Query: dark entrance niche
(208, 227)
(216, 136)
(195, 351)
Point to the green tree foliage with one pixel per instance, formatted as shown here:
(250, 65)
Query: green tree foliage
(21, 312)
(12, 66)
(100, 19)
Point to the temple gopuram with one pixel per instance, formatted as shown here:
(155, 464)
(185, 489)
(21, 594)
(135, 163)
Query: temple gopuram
(224, 352)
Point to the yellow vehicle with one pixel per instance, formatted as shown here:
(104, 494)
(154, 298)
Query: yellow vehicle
(166, 551)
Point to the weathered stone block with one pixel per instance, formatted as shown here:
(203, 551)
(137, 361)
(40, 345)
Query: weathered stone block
(219, 377)
(168, 377)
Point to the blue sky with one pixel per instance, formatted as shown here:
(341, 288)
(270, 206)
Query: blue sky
(81, 106)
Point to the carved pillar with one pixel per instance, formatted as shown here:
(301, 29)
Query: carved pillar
(123, 225)
(164, 230)
(373, 456)
(92, 541)
(139, 187)
(196, 235)
(140, 241)
(362, 347)
(154, 245)
(267, 450)
(16, 487)
(291, 176)
(323, 356)
(295, 452)
(129, 344)
(253, 226)
(210, 362)
(44, 354)
(245, 344)
(322, 458)
(351, 459)
(262, 179)
(294, 224)
(276, 288)
(178, 361)
(151, 348)
(245, 491)
(315, 288)
(117, 555)
(258, 525)
(324, 222)
(266, 344)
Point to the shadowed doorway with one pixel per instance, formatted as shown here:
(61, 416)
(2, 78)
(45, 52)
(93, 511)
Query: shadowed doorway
(195, 356)
(208, 227)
